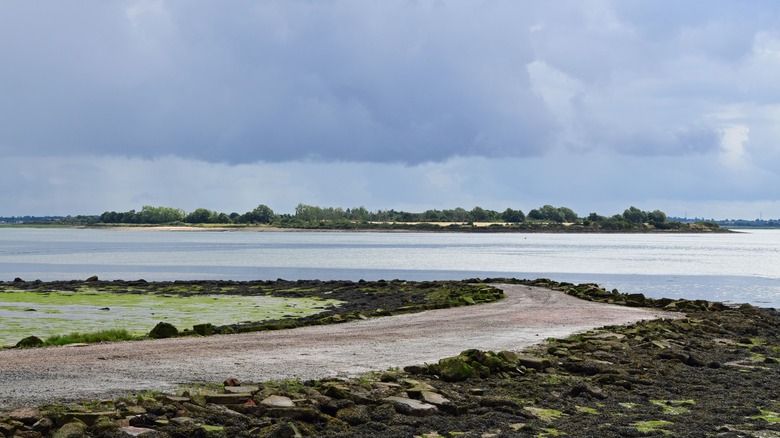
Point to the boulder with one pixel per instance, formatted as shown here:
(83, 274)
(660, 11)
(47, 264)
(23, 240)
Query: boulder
(228, 399)
(203, 329)
(456, 369)
(74, 429)
(103, 426)
(635, 300)
(536, 363)
(163, 330)
(28, 416)
(412, 407)
(30, 341)
(277, 401)
(354, 415)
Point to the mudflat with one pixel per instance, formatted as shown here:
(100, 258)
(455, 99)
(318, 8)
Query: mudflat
(528, 315)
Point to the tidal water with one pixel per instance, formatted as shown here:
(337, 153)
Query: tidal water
(738, 267)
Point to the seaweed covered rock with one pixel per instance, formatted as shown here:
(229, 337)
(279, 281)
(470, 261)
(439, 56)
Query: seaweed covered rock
(30, 341)
(163, 330)
(474, 363)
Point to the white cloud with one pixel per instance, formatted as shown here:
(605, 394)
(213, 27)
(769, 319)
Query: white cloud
(733, 142)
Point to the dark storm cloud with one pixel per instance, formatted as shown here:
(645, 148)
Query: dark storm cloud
(389, 81)
(359, 81)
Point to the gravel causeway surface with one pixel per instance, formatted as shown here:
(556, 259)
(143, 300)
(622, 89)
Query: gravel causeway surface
(528, 315)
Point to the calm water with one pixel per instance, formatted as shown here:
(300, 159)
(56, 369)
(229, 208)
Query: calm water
(743, 267)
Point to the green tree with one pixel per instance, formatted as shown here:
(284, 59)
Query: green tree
(262, 214)
(535, 214)
(568, 214)
(635, 215)
(199, 216)
(359, 214)
(594, 217)
(513, 216)
(308, 213)
(551, 213)
(656, 217)
(478, 214)
(159, 215)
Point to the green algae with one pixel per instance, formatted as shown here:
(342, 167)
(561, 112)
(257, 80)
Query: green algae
(587, 410)
(546, 415)
(768, 416)
(674, 407)
(51, 313)
(653, 426)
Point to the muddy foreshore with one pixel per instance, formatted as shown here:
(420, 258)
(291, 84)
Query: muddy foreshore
(712, 372)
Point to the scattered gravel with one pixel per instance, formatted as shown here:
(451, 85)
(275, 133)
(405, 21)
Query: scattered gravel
(526, 316)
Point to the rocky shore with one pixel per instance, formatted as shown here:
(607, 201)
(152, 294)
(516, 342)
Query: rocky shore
(712, 372)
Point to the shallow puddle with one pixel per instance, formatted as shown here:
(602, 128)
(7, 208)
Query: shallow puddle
(46, 314)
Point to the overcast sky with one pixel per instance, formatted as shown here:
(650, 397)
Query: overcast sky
(593, 105)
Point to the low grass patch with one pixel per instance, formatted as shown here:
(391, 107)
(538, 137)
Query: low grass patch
(112, 335)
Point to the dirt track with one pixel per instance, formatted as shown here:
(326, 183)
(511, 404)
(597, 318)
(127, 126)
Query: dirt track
(528, 315)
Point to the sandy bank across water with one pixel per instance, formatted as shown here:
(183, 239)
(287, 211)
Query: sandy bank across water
(527, 315)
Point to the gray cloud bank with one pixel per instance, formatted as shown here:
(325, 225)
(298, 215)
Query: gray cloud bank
(591, 104)
(395, 81)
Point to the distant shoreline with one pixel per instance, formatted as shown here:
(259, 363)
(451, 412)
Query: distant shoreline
(487, 228)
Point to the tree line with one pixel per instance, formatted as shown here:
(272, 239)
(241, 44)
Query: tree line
(306, 215)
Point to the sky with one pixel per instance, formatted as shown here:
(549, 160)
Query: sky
(595, 105)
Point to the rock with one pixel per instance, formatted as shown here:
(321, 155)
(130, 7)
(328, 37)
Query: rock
(7, 429)
(203, 329)
(174, 399)
(295, 413)
(228, 399)
(183, 421)
(336, 390)
(354, 415)
(536, 363)
(285, 429)
(412, 407)
(44, 425)
(583, 389)
(456, 369)
(103, 426)
(434, 398)
(92, 279)
(497, 402)
(635, 300)
(74, 429)
(28, 434)
(28, 416)
(30, 341)
(141, 432)
(231, 381)
(241, 389)
(212, 431)
(163, 330)
(277, 401)
(89, 418)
